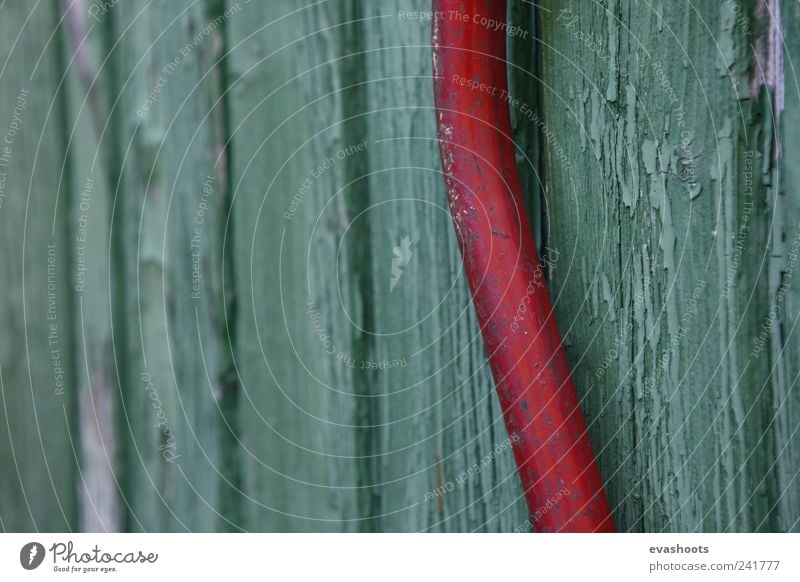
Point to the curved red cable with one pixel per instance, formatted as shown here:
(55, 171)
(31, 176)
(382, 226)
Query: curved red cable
(556, 464)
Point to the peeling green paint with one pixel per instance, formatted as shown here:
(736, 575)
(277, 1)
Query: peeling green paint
(682, 414)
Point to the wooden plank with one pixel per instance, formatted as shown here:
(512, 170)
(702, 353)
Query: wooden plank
(38, 452)
(393, 424)
(658, 122)
(101, 504)
(784, 408)
(298, 414)
(445, 462)
(293, 344)
(169, 209)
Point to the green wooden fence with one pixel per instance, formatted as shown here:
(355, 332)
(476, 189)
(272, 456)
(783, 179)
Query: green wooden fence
(231, 294)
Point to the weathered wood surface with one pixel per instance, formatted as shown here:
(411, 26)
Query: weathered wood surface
(671, 209)
(298, 409)
(440, 417)
(167, 217)
(38, 440)
(96, 387)
(361, 396)
(273, 331)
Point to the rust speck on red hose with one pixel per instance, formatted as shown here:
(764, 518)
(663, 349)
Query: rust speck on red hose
(556, 464)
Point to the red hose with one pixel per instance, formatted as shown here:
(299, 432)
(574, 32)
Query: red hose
(556, 464)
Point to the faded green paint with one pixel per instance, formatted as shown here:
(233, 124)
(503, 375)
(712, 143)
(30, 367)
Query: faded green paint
(304, 137)
(167, 218)
(101, 507)
(662, 123)
(38, 453)
(438, 418)
(298, 411)
(329, 445)
(785, 346)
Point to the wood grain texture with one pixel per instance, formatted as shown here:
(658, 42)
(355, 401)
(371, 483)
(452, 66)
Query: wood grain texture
(298, 413)
(273, 331)
(445, 460)
(785, 355)
(38, 450)
(360, 397)
(99, 489)
(167, 218)
(667, 212)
